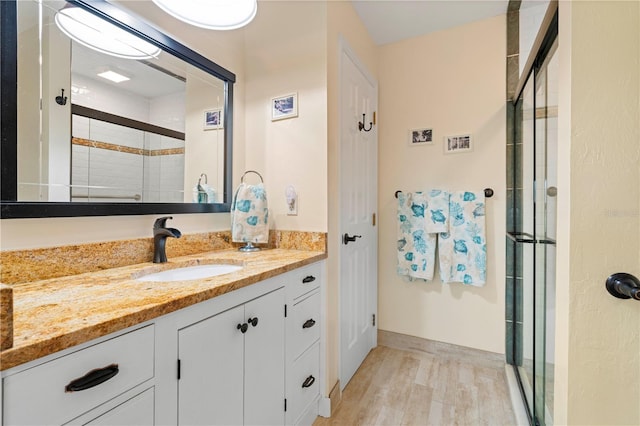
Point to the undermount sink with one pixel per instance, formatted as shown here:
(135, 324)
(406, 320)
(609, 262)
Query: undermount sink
(191, 273)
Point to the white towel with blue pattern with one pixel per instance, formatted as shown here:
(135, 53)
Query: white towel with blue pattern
(463, 250)
(437, 211)
(250, 214)
(416, 247)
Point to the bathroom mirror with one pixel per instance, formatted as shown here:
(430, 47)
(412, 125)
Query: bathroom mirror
(91, 132)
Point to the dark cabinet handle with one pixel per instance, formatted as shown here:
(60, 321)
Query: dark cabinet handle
(242, 327)
(92, 378)
(253, 321)
(309, 323)
(308, 279)
(308, 382)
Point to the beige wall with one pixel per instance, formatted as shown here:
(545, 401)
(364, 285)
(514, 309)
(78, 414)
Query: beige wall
(204, 150)
(444, 82)
(286, 53)
(598, 336)
(342, 21)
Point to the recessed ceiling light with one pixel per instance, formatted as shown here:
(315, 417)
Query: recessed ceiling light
(94, 32)
(211, 14)
(113, 76)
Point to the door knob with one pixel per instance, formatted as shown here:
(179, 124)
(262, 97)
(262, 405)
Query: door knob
(253, 321)
(623, 286)
(346, 239)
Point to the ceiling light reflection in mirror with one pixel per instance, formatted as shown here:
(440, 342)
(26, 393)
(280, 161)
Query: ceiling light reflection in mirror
(211, 14)
(98, 34)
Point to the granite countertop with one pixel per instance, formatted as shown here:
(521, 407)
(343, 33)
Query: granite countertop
(58, 313)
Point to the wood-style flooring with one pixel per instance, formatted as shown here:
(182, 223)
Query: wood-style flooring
(417, 387)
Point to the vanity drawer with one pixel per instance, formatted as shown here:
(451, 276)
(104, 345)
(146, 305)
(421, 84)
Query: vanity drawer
(305, 323)
(304, 280)
(304, 385)
(51, 394)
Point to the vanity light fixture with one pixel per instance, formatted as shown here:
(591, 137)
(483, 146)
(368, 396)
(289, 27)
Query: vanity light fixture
(113, 76)
(98, 34)
(211, 14)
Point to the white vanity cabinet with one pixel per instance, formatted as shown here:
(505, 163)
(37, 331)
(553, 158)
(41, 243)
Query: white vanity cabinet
(303, 344)
(231, 366)
(251, 356)
(92, 379)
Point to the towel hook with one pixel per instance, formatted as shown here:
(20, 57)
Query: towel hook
(361, 125)
(61, 99)
(251, 171)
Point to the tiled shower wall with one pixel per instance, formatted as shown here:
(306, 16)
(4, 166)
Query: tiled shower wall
(124, 165)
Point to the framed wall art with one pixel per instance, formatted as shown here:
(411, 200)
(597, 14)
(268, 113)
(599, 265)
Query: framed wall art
(457, 144)
(285, 106)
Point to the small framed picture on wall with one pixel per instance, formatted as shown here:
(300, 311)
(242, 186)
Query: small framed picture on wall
(458, 144)
(422, 136)
(213, 119)
(285, 106)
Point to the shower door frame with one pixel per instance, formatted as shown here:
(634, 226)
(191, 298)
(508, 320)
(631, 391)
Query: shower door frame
(545, 46)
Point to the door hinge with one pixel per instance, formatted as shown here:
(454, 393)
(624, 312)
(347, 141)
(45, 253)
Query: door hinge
(285, 404)
(374, 117)
(373, 219)
(178, 369)
(373, 320)
(285, 310)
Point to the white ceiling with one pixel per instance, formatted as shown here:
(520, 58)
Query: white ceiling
(389, 21)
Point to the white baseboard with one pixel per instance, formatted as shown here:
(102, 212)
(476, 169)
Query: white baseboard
(324, 407)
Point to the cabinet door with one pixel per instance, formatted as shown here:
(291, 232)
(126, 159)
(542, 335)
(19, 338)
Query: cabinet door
(211, 371)
(264, 361)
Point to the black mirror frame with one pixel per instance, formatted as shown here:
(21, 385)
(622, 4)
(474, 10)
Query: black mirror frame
(10, 208)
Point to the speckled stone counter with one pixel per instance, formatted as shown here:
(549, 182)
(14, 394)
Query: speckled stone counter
(6, 317)
(58, 313)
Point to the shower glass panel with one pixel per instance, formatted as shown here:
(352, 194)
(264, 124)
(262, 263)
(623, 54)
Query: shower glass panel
(534, 236)
(525, 248)
(545, 201)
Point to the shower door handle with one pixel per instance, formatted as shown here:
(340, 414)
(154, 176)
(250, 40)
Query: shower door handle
(623, 286)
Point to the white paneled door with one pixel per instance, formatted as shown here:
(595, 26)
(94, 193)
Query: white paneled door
(358, 204)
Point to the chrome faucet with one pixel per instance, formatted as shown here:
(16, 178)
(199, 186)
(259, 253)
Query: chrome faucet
(160, 234)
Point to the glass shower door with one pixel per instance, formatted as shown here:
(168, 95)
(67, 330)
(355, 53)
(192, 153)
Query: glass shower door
(546, 142)
(534, 238)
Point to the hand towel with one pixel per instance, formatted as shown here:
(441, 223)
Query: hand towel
(463, 250)
(416, 247)
(250, 214)
(437, 211)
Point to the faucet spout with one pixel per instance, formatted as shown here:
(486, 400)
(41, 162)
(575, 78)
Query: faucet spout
(160, 235)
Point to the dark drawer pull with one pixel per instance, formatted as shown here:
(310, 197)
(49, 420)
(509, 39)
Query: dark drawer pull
(308, 279)
(92, 378)
(308, 382)
(309, 323)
